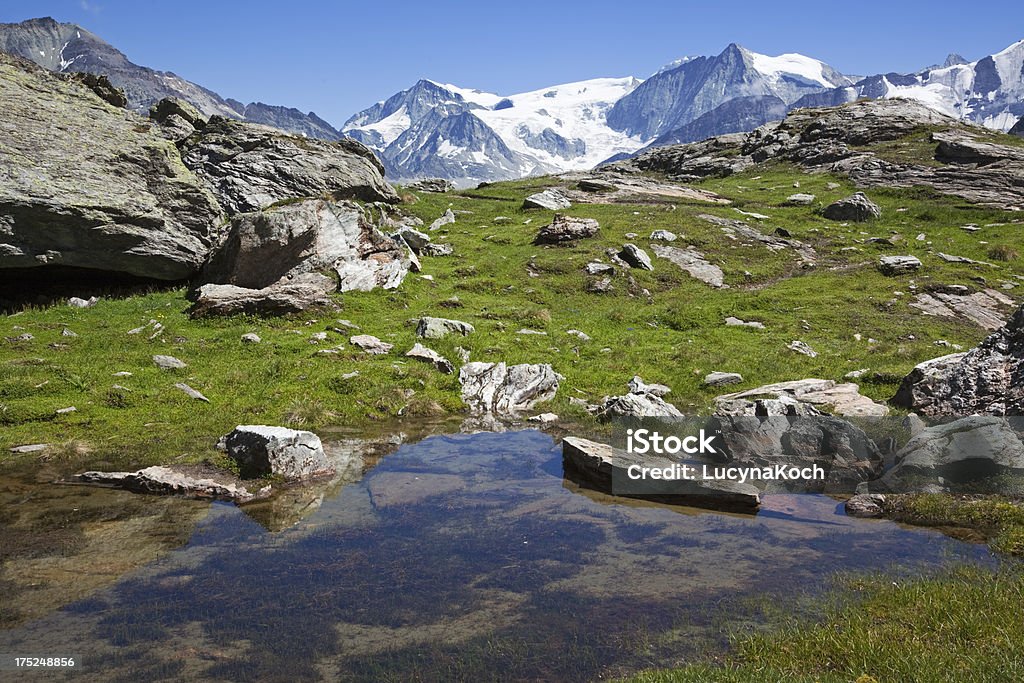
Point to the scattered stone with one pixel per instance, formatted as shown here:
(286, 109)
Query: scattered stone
(898, 265)
(545, 418)
(371, 345)
(168, 363)
(251, 338)
(190, 392)
(76, 302)
(503, 390)
(305, 293)
(581, 335)
(420, 352)
(502, 220)
(262, 450)
(566, 229)
(664, 236)
(800, 199)
(23, 337)
(802, 347)
(963, 259)
(528, 332)
(600, 286)
(29, 448)
(123, 373)
(436, 328)
(66, 411)
(67, 333)
(598, 268)
(867, 505)
(447, 218)
(638, 386)
(856, 374)
(857, 208)
(736, 322)
(693, 262)
(642, 401)
(414, 238)
(437, 250)
(553, 200)
(721, 379)
(635, 257)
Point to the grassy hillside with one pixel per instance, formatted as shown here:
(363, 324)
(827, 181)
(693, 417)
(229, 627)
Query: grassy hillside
(673, 333)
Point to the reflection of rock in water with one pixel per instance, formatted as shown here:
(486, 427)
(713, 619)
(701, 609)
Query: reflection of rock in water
(62, 544)
(352, 458)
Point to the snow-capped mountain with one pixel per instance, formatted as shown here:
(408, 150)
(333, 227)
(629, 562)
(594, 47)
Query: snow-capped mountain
(988, 92)
(678, 95)
(69, 48)
(469, 135)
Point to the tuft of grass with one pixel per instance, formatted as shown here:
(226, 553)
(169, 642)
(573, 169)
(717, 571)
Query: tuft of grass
(1003, 252)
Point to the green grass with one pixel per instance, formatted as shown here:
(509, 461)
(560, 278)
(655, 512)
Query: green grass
(504, 283)
(996, 519)
(962, 626)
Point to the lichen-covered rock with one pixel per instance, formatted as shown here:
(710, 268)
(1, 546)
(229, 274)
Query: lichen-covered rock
(90, 185)
(436, 328)
(262, 450)
(840, 399)
(566, 229)
(506, 390)
(249, 167)
(988, 379)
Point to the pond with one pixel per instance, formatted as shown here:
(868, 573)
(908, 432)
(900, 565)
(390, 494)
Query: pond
(460, 557)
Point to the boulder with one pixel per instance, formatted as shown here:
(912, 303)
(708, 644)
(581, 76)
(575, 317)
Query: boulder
(605, 468)
(101, 86)
(800, 199)
(174, 106)
(414, 238)
(721, 379)
(281, 253)
(566, 229)
(506, 391)
(898, 265)
(262, 450)
(90, 185)
(857, 208)
(962, 455)
(793, 398)
(422, 353)
(553, 200)
(249, 167)
(436, 328)
(431, 185)
(170, 481)
(664, 236)
(635, 257)
(988, 379)
(643, 401)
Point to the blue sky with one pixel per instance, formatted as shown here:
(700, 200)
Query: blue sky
(336, 58)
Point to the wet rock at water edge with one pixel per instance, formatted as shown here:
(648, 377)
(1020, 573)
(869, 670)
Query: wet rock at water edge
(262, 450)
(171, 481)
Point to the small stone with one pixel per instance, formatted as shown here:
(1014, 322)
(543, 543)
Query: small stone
(65, 411)
(190, 392)
(251, 338)
(721, 379)
(545, 418)
(581, 335)
(598, 268)
(371, 345)
(446, 219)
(856, 374)
(802, 347)
(76, 302)
(736, 322)
(800, 199)
(636, 257)
(67, 333)
(528, 332)
(123, 373)
(664, 236)
(898, 265)
(30, 448)
(436, 328)
(168, 363)
(420, 352)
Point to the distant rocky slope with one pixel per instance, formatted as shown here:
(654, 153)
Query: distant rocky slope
(91, 185)
(954, 159)
(67, 48)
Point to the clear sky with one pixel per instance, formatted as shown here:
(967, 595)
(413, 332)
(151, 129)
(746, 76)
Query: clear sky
(336, 58)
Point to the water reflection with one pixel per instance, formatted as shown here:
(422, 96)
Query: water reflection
(465, 557)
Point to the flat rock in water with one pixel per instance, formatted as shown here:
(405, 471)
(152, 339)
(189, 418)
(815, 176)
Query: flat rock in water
(169, 481)
(262, 450)
(598, 465)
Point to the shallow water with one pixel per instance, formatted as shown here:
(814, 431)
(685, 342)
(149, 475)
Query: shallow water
(464, 557)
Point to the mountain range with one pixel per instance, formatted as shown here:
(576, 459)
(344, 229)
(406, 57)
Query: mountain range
(468, 136)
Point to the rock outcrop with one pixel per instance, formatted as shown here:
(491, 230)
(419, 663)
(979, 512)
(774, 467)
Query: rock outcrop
(799, 397)
(898, 265)
(857, 208)
(506, 390)
(90, 185)
(643, 401)
(988, 379)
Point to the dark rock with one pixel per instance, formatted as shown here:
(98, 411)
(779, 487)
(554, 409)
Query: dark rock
(856, 207)
(988, 379)
(866, 505)
(566, 229)
(102, 86)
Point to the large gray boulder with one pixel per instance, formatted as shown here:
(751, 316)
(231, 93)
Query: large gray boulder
(261, 450)
(249, 167)
(429, 327)
(303, 293)
(506, 390)
(278, 244)
(988, 379)
(643, 401)
(857, 208)
(977, 453)
(91, 185)
(898, 265)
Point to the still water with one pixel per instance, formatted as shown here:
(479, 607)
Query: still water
(460, 557)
